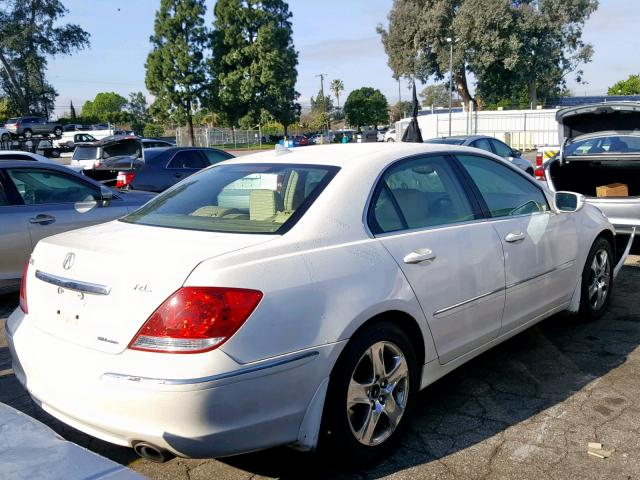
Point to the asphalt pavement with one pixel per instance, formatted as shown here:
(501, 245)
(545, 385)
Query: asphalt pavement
(524, 410)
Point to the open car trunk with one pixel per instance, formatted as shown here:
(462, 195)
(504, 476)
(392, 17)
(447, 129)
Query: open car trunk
(584, 176)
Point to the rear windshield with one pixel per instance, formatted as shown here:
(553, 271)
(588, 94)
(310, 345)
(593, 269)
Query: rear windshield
(242, 198)
(85, 153)
(604, 145)
(446, 141)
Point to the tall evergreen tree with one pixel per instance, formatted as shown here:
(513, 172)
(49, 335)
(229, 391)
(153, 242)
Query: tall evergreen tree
(253, 63)
(30, 32)
(72, 111)
(175, 66)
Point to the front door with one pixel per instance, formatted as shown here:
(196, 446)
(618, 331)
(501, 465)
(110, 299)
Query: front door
(451, 256)
(540, 246)
(54, 202)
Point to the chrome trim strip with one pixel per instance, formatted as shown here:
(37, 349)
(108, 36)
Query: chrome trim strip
(211, 378)
(534, 277)
(444, 310)
(84, 287)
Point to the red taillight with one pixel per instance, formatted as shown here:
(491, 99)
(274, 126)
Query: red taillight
(23, 289)
(124, 178)
(196, 319)
(538, 173)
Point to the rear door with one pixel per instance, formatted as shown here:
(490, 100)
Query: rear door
(450, 255)
(540, 247)
(51, 202)
(15, 244)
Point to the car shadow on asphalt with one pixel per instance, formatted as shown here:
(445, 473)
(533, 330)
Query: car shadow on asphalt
(533, 372)
(528, 374)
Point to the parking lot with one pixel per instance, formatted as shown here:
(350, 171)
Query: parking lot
(526, 409)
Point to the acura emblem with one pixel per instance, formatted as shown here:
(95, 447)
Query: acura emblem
(67, 263)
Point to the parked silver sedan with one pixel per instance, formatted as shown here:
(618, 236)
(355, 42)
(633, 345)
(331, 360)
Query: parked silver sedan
(39, 199)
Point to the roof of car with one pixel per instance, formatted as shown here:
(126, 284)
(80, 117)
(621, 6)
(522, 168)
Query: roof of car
(31, 163)
(374, 154)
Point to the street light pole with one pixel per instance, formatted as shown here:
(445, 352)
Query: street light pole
(450, 42)
(324, 105)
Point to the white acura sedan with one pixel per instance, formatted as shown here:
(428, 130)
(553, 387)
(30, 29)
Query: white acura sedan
(299, 297)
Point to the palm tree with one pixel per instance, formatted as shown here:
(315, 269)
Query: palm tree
(336, 87)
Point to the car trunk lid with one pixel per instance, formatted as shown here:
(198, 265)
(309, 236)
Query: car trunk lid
(584, 119)
(97, 286)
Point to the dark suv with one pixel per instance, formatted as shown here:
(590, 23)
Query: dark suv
(30, 126)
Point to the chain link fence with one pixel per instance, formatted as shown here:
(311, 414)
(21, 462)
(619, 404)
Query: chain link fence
(225, 138)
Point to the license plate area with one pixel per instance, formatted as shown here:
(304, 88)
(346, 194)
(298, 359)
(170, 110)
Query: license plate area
(70, 307)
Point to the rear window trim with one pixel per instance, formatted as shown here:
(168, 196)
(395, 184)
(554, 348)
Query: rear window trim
(332, 171)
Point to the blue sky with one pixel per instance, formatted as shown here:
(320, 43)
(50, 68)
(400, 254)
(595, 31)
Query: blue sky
(337, 38)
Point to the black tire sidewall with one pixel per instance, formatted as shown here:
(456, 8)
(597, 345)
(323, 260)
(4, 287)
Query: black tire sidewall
(27, 133)
(336, 432)
(586, 311)
(57, 132)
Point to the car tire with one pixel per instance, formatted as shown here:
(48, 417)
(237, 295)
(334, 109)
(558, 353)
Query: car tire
(384, 393)
(55, 153)
(27, 133)
(597, 281)
(57, 131)
(390, 140)
(5, 137)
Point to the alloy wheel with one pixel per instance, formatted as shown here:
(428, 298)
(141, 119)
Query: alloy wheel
(377, 394)
(599, 279)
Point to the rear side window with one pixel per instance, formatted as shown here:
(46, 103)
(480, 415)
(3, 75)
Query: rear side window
(85, 153)
(37, 186)
(419, 193)
(239, 198)
(505, 192)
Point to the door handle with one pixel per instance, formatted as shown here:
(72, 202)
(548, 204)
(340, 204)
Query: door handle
(42, 219)
(419, 255)
(513, 237)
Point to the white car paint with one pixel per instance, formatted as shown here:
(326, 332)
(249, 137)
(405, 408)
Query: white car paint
(322, 280)
(11, 154)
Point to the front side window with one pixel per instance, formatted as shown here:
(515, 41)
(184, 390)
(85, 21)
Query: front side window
(505, 192)
(190, 159)
(4, 200)
(482, 144)
(501, 149)
(419, 193)
(240, 198)
(214, 156)
(37, 186)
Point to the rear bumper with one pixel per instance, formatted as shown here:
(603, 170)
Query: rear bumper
(241, 409)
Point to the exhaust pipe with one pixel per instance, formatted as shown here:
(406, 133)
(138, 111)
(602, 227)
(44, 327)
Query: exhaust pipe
(151, 452)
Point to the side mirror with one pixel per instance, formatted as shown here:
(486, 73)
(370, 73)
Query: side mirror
(516, 153)
(106, 195)
(569, 201)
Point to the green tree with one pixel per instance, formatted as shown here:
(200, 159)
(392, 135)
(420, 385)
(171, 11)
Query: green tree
(321, 103)
(31, 32)
(366, 106)
(104, 104)
(436, 95)
(138, 110)
(337, 87)
(72, 111)
(630, 86)
(176, 72)
(153, 130)
(400, 110)
(506, 44)
(253, 64)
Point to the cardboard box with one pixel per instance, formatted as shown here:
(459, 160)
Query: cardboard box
(612, 190)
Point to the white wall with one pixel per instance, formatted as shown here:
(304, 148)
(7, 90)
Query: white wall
(523, 129)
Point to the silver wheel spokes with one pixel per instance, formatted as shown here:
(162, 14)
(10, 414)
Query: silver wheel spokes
(377, 394)
(599, 279)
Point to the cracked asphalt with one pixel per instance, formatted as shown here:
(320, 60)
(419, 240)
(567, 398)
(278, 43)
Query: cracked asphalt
(524, 410)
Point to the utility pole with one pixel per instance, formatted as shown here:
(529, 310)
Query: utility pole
(399, 94)
(450, 42)
(324, 102)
